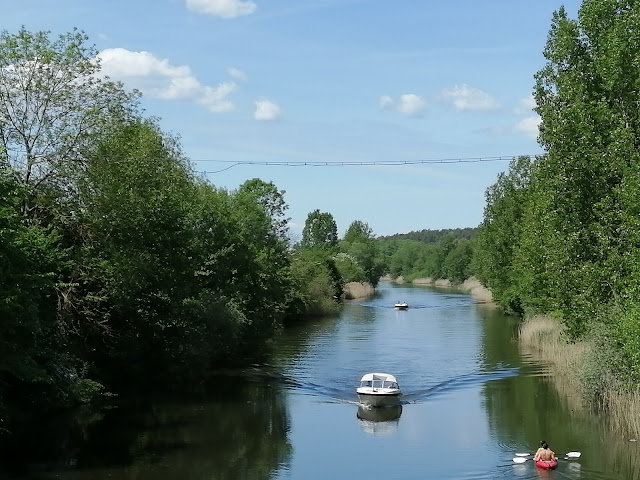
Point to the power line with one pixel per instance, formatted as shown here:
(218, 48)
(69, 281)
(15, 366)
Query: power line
(233, 163)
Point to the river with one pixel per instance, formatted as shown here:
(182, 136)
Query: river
(471, 400)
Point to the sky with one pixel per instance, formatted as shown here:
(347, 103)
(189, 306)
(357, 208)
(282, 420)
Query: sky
(399, 114)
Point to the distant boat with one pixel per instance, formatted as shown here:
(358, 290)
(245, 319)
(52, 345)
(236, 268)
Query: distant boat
(378, 389)
(401, 305)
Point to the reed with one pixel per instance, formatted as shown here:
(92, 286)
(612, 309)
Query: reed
(544, 339)
(623, 412)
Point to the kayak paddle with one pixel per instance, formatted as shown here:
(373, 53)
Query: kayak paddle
(521, 457)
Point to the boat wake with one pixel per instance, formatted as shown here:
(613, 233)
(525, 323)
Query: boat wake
(457, 383)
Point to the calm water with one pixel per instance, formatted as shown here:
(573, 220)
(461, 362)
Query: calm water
(471, 401)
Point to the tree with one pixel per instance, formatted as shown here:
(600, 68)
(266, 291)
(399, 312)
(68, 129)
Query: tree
(358, 231)
(34, 352)
(52, 104)
(319, 230)
(499, 233)
(586, 96)
(359, 244)
(272, 201)
(133, 235)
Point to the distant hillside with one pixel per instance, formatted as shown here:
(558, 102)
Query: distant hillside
(433, 236)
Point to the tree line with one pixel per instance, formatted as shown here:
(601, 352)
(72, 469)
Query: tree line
(561, 231)
(119, 265)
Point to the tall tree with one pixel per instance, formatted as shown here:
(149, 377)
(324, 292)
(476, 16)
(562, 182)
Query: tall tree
(320, 230)
(358, 231)
(359, 243)
(587, 98)
(52, 103)
(499, 233)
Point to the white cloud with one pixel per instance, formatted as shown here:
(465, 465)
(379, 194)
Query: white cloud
(408, 104)
(222, 8)
(158, 78)
(529, 126)
(464, 97)
(266, 110)
(386, 102)
(525, 105)
(237, 74)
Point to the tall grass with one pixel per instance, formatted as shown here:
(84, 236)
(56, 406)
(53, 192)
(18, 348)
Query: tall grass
(544, 339)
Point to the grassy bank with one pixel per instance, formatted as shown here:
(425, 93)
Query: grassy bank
(471, 286)
(358, 290)
(580, 375)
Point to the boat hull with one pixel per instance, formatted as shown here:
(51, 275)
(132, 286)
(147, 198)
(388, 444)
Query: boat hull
(546, 465)
(379, 399)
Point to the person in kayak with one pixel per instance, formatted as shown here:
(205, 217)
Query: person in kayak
(544, 453)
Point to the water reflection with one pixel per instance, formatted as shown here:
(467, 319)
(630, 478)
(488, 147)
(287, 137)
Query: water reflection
(379, 420)
(465, 384)
(237, 431)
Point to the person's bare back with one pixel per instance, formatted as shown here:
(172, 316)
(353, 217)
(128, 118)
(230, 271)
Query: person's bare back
(544, 453)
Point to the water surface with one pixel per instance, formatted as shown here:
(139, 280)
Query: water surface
(471, 401)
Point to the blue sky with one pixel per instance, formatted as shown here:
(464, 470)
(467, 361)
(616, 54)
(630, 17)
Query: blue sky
(346, 82)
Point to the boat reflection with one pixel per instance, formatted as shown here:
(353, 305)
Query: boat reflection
(379, 420)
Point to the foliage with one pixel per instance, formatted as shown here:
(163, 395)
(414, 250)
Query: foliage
(52, 103)
(34, 359)
(360, 246)
(433, 236)
(566, 240)
(319, 285)
(449, 258)
(320, 230)
(499, 234)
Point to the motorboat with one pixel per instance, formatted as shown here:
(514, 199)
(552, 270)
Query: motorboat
(378, 390)
(401, 305)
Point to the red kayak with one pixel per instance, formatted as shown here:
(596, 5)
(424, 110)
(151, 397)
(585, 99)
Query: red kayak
(547, 464)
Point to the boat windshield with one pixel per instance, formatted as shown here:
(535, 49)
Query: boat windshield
(379, 384)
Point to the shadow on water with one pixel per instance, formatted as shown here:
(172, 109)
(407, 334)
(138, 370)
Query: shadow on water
(236, 430)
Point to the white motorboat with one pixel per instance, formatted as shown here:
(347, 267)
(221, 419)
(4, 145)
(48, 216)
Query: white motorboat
(401, 305)
(378, 390)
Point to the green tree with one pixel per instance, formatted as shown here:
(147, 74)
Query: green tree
(586, 96)
(358, 231)
(35, 360)
(359, 244)
(320, 230)
(133, 234)
(52, 104)
(456, 265)
(319, 284)
(272, 201)
(499, 233)
(264, 281)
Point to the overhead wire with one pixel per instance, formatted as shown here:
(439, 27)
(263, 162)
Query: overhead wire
(307, 163)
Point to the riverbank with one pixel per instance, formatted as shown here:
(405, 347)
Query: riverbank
(358, 290)
(471, 286)
(579, 374)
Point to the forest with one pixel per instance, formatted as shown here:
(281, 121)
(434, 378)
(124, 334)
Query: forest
(561, 232)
